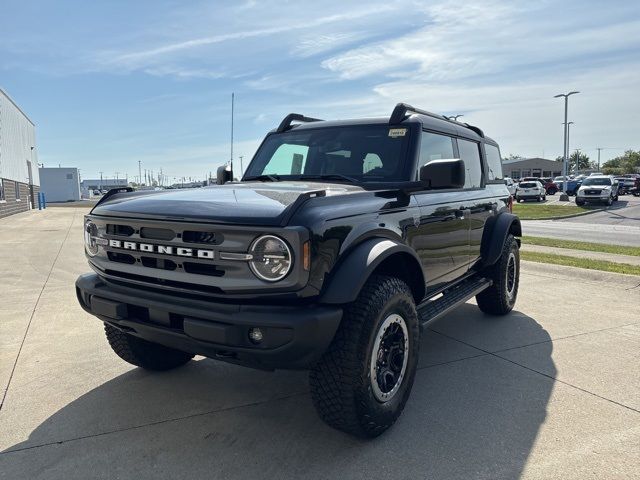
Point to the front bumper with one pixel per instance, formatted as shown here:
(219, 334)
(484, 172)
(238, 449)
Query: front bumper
(603, 197)
(294, 337)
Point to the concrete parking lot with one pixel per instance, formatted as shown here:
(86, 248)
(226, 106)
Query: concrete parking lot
(550, 391)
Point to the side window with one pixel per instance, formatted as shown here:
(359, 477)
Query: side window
(435, 147)
(2, 197)
(17, 187)
(288, 158)
(494, 162)
(470, 154)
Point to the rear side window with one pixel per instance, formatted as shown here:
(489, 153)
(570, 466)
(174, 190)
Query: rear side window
(435, 147)
(494, 162)
(470, 154)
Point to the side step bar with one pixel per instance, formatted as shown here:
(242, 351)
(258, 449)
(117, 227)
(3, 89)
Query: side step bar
(452, 298)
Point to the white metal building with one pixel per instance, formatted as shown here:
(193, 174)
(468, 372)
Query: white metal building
(60, 184)
(19, 180)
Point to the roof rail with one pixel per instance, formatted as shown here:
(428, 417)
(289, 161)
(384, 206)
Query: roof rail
(286, 123)
(401, 109)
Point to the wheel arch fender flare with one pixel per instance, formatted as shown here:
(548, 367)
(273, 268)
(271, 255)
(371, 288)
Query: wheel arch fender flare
(495, 234)
(357, 265)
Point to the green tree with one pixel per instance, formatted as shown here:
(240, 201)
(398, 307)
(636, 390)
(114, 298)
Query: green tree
(629, 162)
(578, 161)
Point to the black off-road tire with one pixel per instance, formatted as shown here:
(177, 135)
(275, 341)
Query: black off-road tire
(580, 202)
(144, 354)
(500, 298)
(341, 386)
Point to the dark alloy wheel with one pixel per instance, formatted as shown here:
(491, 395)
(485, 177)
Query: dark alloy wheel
(389, 358)
(500, 297)
(362, 382)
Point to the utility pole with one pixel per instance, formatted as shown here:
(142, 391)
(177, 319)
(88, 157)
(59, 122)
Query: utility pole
(564, 197)
(139, 173)
(100, 182)
(241, 170)
(599, 150)
(231, 160)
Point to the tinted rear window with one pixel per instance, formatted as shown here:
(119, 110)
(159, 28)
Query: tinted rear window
(528, 185)
(470, 154)
(494, 162)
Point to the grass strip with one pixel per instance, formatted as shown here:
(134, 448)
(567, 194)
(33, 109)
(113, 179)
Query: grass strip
(586, 246)
(587, 263)
(534, 211)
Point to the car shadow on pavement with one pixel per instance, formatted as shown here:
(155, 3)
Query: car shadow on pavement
(472, 414)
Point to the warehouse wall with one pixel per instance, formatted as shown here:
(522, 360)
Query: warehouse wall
(11, 204)
(60, 184)
(17, 136)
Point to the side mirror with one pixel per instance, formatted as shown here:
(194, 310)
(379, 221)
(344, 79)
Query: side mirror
(445, 173)
(223, 175)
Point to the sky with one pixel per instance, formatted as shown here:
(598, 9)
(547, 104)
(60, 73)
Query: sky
(109, 84)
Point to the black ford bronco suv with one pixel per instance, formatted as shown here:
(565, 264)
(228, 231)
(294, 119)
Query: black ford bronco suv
(341, 240)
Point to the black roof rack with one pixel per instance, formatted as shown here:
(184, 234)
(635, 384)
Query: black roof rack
(401, 109)
(286, 123)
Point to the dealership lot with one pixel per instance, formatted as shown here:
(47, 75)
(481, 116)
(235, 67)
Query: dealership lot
(550, 391)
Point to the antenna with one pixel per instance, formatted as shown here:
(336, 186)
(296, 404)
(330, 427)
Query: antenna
(232, 102)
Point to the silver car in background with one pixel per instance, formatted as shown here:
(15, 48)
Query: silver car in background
(598, 188)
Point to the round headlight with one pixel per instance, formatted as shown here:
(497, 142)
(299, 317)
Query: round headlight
(90, 236)
(271, 258)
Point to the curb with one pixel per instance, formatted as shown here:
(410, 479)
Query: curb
(567, 216)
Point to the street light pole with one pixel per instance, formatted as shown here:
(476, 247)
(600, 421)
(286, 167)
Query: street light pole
(564, 197)
(568, 141)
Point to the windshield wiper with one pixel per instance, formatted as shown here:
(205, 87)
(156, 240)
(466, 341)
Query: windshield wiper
(330, 176)
(264, 178)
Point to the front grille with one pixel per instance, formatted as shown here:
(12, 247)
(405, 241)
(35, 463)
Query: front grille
(120, 230)
(202, 269)
(164, 282)
(161, 263)
(121, 258)
(157, 233)
(592, 192)
(211, 238)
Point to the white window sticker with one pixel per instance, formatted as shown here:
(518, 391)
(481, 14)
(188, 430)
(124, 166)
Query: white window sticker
(397, 132)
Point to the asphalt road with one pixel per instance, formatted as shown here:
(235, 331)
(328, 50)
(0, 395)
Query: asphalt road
(619, 225)
(549, 391)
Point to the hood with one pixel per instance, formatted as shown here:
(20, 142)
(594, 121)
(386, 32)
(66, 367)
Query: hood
(254, 203)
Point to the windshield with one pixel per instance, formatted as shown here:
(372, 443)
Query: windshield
(367, 153)
(596, 181)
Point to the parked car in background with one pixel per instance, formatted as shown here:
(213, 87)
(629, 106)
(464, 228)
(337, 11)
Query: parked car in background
(511, 185)
(530, 191)
(602, 188)
(636, 184)
(547, 182)
(96, 192)
(550, 187)
(572, 185)
(625, 184)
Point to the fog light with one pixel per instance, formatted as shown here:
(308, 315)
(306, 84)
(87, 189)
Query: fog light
(255, 335)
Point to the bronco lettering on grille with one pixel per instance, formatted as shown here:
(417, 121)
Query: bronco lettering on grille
(163, 249)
